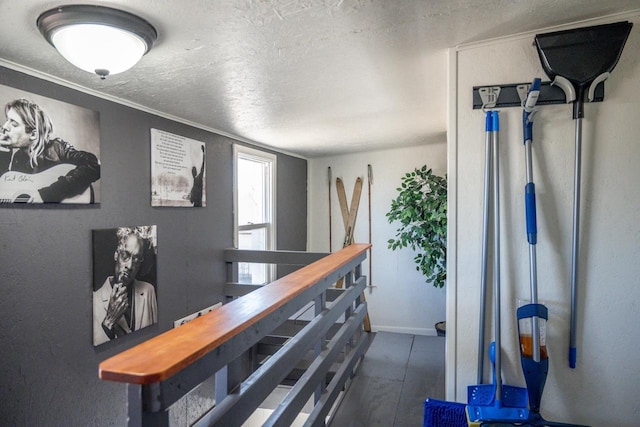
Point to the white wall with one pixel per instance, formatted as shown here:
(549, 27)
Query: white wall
(604, 388)
(401, 300)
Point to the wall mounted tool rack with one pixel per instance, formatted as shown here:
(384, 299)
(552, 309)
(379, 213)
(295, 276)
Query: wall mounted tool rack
(507, 95)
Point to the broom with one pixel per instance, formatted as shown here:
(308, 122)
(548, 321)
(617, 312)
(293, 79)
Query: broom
(440, 413)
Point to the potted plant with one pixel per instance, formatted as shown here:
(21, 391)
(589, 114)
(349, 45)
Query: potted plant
(421, 210)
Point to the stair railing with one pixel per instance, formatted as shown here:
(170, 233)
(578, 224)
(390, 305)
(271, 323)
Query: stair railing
(162, 370)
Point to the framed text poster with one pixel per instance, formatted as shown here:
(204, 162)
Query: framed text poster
(177, 170)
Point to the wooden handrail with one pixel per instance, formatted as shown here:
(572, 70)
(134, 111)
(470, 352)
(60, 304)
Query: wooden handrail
(165, 355)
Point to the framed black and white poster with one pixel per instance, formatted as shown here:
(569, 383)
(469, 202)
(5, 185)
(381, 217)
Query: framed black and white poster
(177, 170)
(124, 281)
(49, 150)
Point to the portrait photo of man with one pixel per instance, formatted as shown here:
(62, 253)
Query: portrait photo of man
(124, 297)
(39, 166)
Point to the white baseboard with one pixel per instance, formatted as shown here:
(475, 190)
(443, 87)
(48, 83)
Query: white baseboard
(404, 330)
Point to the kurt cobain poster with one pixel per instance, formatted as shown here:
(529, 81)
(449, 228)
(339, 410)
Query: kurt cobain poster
(49, 150)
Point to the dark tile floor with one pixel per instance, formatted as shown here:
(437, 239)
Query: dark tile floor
(397, 374)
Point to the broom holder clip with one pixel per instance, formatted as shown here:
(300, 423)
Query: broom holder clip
(592, 88)
(489, 96)
(507, 95)
(567, 87)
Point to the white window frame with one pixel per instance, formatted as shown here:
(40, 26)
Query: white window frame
(270, 214)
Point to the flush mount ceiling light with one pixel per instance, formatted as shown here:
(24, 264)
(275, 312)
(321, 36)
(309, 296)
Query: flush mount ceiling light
(97, 39)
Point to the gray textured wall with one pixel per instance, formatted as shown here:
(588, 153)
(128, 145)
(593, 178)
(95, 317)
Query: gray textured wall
(48, 365)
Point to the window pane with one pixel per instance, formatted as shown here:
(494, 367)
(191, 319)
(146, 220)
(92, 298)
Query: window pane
(249, 272)
(252, 197)
(253, 239)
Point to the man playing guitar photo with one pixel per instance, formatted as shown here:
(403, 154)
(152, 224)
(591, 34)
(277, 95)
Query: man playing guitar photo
(41, 168)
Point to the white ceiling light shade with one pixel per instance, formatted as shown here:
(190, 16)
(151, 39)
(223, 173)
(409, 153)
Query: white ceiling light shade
(97, 39)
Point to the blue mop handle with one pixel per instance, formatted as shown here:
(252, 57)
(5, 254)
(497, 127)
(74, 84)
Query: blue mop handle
(530, 209)
(485, 245)
(488, 125)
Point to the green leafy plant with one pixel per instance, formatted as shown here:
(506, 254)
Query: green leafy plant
(421, 209)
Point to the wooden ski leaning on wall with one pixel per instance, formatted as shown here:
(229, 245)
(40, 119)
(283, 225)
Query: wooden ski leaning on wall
(349, 216)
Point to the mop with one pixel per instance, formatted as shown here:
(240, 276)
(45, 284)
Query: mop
(532, 317)
(495, 401)
(452, 414)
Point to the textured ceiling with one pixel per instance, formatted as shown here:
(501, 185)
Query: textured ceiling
(309, 77)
